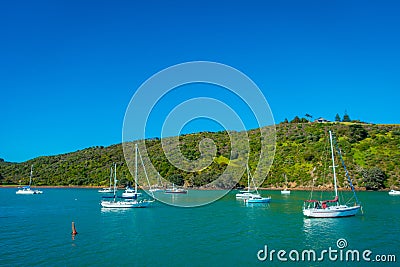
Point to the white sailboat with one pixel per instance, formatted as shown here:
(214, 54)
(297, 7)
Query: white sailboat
(175, 190)
(127, 203)
(110, 188)
(394, 192)
(158, 186)
(285, 191)
(26, 190)
(132, 193)
(245, 194)
(331, 208)
(251, 196)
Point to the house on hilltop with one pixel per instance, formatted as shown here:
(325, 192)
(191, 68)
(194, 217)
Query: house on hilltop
(322, 120)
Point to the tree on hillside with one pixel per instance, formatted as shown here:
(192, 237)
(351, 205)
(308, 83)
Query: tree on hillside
(373, 178)
(357, 133)
(176, 179)
(337, 118)
(295, 120)
(308, 116)
(346, 117)
(286, 121)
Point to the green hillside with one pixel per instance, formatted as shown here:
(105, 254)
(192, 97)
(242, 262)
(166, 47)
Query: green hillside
(371, 153)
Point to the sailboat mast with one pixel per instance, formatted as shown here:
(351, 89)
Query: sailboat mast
(30, 176)
(248, 178)
(136, 167)
(111, 174)
(333, 164)
(115, 178)
(159, 178)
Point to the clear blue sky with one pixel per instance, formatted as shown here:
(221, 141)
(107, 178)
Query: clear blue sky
(69, 68)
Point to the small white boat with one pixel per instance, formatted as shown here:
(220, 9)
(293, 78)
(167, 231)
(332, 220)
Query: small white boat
(175, 190)
(108, 190)
(27, 190)
(257, 199)
(332, 208)
(285, 192)
(131, 192)
(394, 192)
(155, 189)
(251, 196)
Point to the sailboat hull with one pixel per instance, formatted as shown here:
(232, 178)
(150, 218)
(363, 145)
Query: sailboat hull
(106, 190)
(246, 195)
(125, 204)
(331, 212)
(394, 193)
(25, 192)
(28, 192)
(258, 200)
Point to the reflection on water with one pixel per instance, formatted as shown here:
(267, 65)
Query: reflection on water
(257, 205)
(322, 232)
(313, 226)
(114, 210)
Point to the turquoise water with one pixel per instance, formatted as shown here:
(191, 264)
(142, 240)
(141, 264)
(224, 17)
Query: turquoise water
(36, 231)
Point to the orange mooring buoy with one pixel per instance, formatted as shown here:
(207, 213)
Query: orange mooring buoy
(74, 232)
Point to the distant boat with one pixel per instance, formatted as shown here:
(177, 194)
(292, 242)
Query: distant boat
(157, 187)
(26, 190)
(332, 208)
(175, 190)
(285, 191)
(245, 194)
(108, 189)
(131, 192)
(394, 192)
(251, 196)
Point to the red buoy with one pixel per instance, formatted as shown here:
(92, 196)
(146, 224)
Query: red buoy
(74, 232)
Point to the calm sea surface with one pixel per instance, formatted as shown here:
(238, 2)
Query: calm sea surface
(36, 231)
